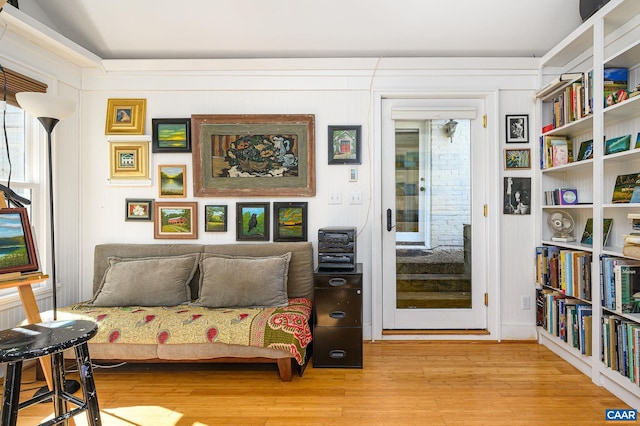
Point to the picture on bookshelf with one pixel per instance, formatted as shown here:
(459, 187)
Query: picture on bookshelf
(517, 192)
(625, 187)
(637, 145)
(619, 144)
(517, 159)
(586, 150)
(517, 128)
(587, 235)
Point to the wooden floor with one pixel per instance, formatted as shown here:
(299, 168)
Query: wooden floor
(402, 383)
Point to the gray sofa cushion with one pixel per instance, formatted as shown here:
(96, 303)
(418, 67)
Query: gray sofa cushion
(241, 281)
(153, 281)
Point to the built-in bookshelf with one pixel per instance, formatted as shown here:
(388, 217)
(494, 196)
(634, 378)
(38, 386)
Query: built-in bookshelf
(588, 126)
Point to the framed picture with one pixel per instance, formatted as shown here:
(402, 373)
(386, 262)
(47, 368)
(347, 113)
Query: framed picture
(252, 221)
(290, 221)
(517, 159)
(344, 144)
(517, 128)
(125, 116)
(172, 181)
(517, 195)
(171, 135)
(175, 220)
(253, 155)
(129, 160)
(138, 209)
(18, 253)
(586, 150)
(215, 218)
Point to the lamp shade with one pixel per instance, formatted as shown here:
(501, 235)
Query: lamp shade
(46, 105)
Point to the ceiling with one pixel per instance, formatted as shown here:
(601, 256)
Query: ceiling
(192, 29)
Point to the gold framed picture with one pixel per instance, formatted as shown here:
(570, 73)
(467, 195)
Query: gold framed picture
(172, 179)
(129, 160)
(125, 116)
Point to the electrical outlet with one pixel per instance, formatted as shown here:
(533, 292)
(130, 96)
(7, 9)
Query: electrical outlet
(525, 302)
(355, 197)
(335, 198)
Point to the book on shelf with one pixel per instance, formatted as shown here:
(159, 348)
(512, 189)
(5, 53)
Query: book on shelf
(567, 271)
(587, 234)
(624, 186)
(628, 288)
(611, 281)
(557, 82)
(586, 150)
(617, 144)
(555, 151)
(616, 81)
(561, 197)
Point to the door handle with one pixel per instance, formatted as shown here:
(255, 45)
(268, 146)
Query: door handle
(389, 225)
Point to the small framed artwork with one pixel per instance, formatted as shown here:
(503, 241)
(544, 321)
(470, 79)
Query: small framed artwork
(172, 181)
(345, 144)
(125, 116)
(517, 128)
(215, 218)
(18, 252)
(129, 160)
(171, 135)
(517, 195)
(175, 220)
(252, 221)
(586, 150)
(290, 221)
(138, 210)
(517, 159)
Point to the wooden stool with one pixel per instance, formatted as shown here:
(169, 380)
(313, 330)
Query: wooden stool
(42, 339)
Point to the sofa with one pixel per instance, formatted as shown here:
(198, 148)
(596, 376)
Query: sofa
(201, 303)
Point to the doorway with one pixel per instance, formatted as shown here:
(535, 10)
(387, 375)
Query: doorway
(433, 192)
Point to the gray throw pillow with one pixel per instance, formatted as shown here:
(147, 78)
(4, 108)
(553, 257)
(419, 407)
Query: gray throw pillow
(242, 282)
(151, 281)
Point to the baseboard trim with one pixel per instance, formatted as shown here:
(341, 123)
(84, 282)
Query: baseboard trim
(435, 332)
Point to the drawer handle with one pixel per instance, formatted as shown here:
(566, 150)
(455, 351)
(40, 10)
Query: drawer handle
(338, 354)
(337, 282)
(337, 314)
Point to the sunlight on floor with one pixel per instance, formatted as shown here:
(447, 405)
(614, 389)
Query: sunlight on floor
(135, 416)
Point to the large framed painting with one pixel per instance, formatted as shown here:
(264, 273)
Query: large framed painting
(176, 220)
(289, 221)
(253, 155)
(17, 249)
(252, 221)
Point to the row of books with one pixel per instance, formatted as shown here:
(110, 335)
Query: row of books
(621, 346)
(561, 197)
(567, 271)
(555, 151)
(565, 317)
(620, 284)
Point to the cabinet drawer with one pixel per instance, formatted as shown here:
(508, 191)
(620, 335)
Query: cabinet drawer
(337, 347)
(338, 281)
(338, 307)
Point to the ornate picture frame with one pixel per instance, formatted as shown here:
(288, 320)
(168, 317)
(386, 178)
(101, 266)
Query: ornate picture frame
(345, 144)
(125, 116)
(129, 160)
(138, 209)
(175, 220)
(171, 135)
(290, 221)
(252, 221)
(253, 155)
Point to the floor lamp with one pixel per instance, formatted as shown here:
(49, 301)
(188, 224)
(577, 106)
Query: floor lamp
(49, 109)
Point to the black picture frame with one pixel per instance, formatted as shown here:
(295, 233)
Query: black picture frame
(517, 195)
(138, 210)
(517, 128)
(171, 135)
(290, 221)
(345, 144)
(215, 218)
(246, 228)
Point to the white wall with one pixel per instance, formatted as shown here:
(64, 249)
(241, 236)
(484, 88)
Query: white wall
(336, 91)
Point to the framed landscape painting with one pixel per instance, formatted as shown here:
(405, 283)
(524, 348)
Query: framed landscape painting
(171, 135)
(252, 221)
(176, 220)
(17, 249)
(215, 218)
(171, 180)
(290, 221)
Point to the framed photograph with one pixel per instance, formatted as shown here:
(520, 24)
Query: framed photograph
(171, 135)
(517, 128)
(345, 144)
(129, 160)
(290, 221)
(215, 218)
(252, 221)
(175, 220)
(18, 253)
(125, 116)
(517, 195)
(253, 155)
(138, 210)
(517, 159)
(172, 181)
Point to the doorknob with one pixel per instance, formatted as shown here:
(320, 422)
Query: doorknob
(422, 188)
(389, 225)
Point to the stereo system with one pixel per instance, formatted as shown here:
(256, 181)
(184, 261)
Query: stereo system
(337, 248)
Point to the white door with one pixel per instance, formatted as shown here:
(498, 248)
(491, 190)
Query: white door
(433, 198)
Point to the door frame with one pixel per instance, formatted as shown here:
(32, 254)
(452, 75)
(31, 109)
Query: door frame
(492, 244)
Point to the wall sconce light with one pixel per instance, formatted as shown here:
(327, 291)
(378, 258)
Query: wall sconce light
(450, 128)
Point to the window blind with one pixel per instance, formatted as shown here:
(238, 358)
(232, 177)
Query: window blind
(17, 82)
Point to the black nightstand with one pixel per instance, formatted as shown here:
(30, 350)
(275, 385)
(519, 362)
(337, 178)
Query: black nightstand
(337, 323)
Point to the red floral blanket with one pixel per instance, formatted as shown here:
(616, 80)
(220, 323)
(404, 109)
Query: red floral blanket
(284, 328)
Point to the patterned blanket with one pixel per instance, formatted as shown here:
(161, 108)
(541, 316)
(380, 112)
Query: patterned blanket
(284, 328)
